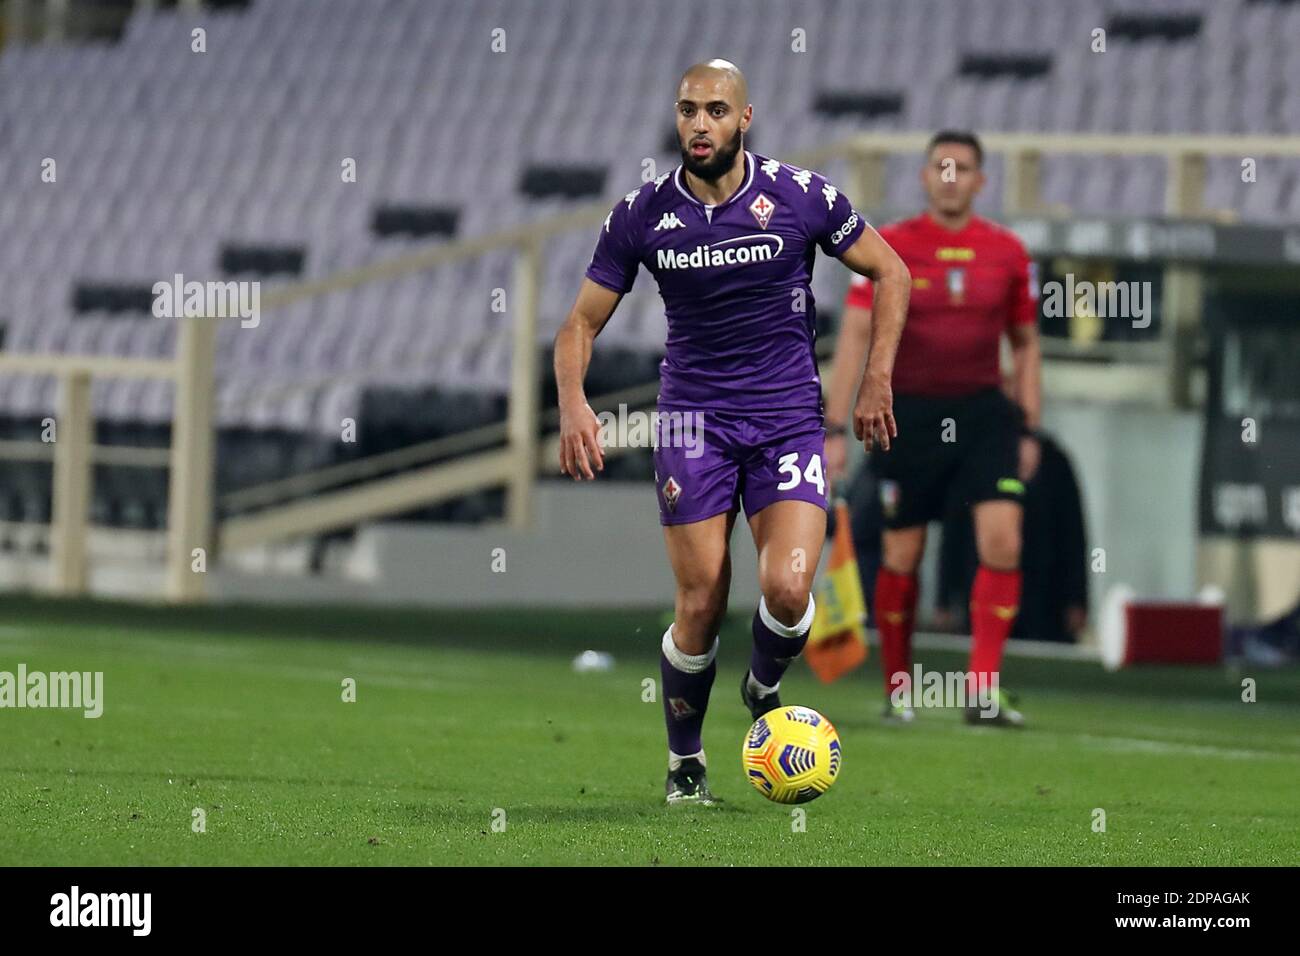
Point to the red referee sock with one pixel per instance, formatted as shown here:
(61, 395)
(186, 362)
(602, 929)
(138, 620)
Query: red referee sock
(895, 617)
(994, 603)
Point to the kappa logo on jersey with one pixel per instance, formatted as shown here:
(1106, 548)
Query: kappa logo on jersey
(670, 221)
(771, 167)
(761, 247)
(803, 177)
(762, 208)
(830, 192)
(672, 491)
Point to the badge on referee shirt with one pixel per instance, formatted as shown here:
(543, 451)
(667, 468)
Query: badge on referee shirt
(956, 286)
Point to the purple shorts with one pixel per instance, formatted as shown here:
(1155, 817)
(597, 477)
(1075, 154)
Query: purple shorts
(710, 462)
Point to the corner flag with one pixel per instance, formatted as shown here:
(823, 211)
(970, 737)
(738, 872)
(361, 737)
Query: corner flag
(837, 642)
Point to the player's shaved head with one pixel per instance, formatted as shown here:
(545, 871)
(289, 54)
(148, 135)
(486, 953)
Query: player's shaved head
(718, 74)
(713, 113)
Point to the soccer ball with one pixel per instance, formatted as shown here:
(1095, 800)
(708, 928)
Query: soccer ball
(791, 755)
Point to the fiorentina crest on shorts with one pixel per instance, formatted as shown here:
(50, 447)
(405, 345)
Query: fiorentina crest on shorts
(672, 491)
(762, 208)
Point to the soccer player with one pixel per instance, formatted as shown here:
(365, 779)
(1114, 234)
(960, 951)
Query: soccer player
(730, 238)
(972, 283)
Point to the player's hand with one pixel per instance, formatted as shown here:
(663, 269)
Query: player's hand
(1031, 453)
(873, 416)
(580, 442)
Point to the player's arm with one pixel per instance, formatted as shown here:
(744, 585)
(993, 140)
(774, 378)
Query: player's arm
(1027, 372)
(1026, 361)
(873, 411)
(847, 365)
(1027, 385)
(579, 428)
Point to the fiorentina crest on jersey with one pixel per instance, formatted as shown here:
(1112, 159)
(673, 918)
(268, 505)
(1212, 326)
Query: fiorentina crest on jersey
(762, 208)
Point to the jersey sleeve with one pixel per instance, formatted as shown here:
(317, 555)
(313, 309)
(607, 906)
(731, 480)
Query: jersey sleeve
(833, 223)
(862, 292)
(618, 248)
(1023, 305)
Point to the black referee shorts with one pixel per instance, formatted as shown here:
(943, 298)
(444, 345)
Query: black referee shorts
(963, 450)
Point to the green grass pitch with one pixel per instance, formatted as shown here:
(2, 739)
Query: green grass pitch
(463, 718)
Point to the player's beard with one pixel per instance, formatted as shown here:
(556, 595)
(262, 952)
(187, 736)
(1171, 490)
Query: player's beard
(712, 169)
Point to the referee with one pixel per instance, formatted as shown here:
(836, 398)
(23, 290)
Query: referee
(959, 437)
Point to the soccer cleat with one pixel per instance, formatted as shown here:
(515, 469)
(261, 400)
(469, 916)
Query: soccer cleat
(758, 706)
(688, 784)
(1006, 716)
(896, 713)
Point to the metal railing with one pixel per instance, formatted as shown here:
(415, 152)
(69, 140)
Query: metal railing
(347, 494)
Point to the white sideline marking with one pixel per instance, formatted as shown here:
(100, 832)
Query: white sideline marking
(1052, 650)
(1147, 745)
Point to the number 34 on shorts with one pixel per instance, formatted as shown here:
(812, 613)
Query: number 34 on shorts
(812, 473)
(789, 469)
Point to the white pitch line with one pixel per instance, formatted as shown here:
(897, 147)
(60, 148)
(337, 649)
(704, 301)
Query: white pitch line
(1151, 746)
(1052, 650)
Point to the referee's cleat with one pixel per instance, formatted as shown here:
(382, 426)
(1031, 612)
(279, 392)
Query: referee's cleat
(758, 706)
(688, 784)
(1003, 715)
(898, 713)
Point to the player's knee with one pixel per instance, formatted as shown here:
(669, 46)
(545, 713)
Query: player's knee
(902, 558)
(786, 598)
(1000, 548)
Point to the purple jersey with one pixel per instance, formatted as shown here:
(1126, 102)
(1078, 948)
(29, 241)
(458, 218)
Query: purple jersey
(735, 279)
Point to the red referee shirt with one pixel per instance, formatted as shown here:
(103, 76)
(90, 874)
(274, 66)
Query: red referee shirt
(968, 287)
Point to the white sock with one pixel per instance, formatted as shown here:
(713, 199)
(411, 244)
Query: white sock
(759, 690)
(687, 663)
(675, 760)
(798, 629)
